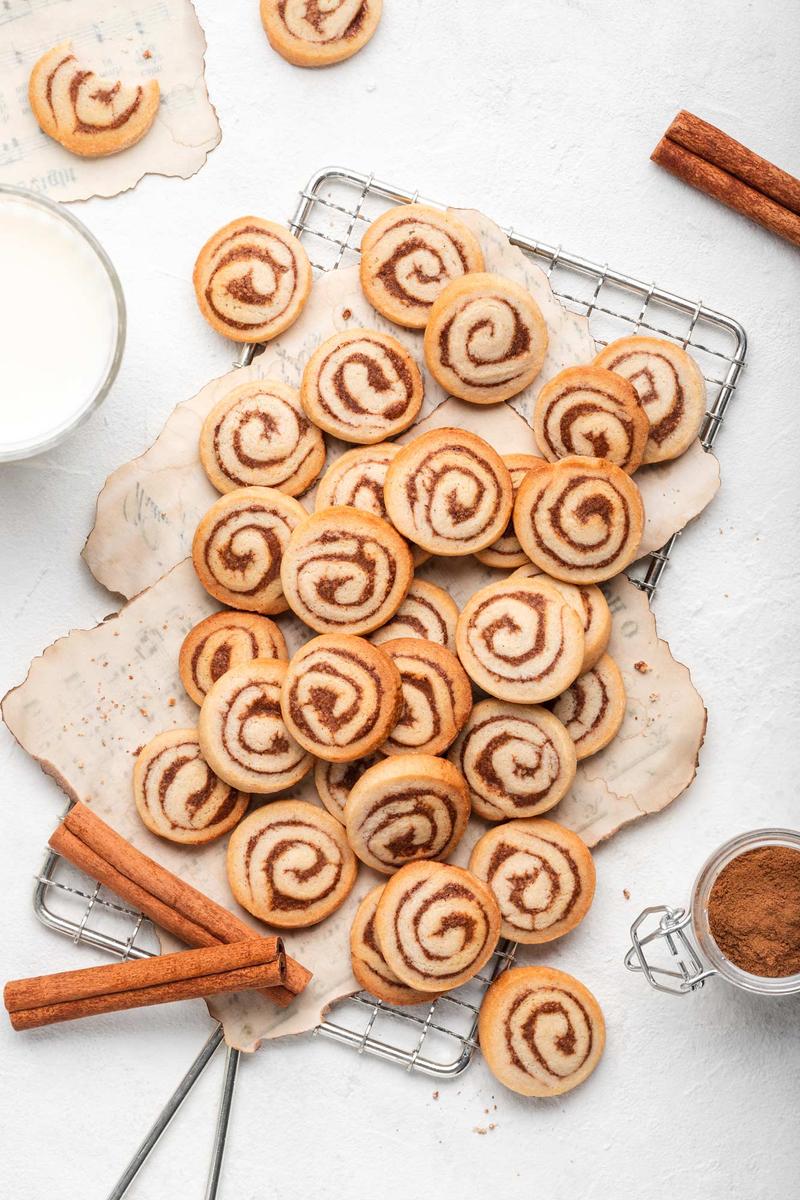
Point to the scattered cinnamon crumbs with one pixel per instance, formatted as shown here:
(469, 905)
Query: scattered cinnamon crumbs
(626, 893)
(642, 667)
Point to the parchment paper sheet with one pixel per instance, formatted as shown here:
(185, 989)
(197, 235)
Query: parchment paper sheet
(96, 696)
(148, 509)
(114, 36)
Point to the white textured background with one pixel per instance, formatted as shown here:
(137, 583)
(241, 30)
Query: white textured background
(543, 115)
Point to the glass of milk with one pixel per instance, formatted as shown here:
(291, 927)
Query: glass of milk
(62, 323)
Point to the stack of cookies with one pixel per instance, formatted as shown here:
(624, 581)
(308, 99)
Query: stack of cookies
(411, 715)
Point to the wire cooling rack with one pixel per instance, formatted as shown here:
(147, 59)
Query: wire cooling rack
(333, 210)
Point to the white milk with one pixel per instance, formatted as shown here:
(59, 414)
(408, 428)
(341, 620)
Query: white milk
(58, 326)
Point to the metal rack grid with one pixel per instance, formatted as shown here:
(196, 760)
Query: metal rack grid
(333, 210)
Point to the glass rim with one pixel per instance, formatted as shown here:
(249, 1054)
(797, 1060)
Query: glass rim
(765, 985)
(28, 449)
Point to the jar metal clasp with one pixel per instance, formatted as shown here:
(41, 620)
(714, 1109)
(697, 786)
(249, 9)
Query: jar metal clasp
(663, 952)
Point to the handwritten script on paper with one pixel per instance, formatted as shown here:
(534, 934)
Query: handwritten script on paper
(135, 39)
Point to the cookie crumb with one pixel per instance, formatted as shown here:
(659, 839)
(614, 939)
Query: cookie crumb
(346, 314)
(436, 1095)
(480, 1129)
(171, 702)
(143, 712)
(626, 893)
(147, 54)
(642, 667)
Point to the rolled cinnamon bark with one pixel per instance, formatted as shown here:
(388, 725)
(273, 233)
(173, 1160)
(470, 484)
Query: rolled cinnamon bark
(188, 974)
(94, 847)
(722, 186)
(717, 148)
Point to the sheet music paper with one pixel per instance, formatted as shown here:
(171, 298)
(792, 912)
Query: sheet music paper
(130, 39)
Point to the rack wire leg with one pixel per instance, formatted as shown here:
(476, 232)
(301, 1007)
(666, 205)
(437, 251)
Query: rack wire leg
(223, 1120)
(165, 1116)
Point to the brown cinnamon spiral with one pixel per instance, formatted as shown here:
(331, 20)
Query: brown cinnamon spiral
(449, 491)
(345, 570)
(541, 1031)
(252, 279)
(593, 708)
(334, 781)
(409, 255)
(506, 552)
(519, 640)
(437, 697)
(222, 641)
(670, 387)
(177, 794)
(316, 33)
(541, 875)
(258, 435)
(518, 760)
(405, 809)
(579, 519)
(243, 734)
(239, 544)
(362, 385)
(591, 411)
(437, 925)
(89, 116)
(486, 339)
(341, 697)
(369, 966)
(427, 612)
(289, 864)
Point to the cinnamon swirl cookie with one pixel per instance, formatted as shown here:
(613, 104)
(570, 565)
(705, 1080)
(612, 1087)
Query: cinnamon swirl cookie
(671, 389)
(541, 1031)
(437, 925)
(437, 697)
(427, 612)
(541, 874)
(258, 435)
(591, 606)
(222, 641)
(238, 546)
(341, 697)
(289, 864)
(362, 386)
(592, 411)
(519, 640)
(518, 760)
(89, 116)
(334, 781)
(356, 479)
(369, 966)
(177, 794)
(408, 255)
(345, 570)
(405, 809)
(310, 33)
(506, 552)
(242, 732)
(486, 338)
(252, 279)
(593, 708)
(449, 492)
(579, 519)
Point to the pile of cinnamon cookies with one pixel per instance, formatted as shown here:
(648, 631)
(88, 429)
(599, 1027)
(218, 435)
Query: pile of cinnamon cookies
(412, 715)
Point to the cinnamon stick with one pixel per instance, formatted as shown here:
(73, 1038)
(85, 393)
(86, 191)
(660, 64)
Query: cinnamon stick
(717, 148)
(187, 974)
(727, 186)
(94, 847)
(727, 189)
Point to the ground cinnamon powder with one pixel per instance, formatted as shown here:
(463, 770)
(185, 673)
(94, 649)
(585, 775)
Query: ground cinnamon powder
(754, 911)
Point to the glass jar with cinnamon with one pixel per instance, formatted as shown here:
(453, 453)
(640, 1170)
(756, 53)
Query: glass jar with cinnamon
(742, 923)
